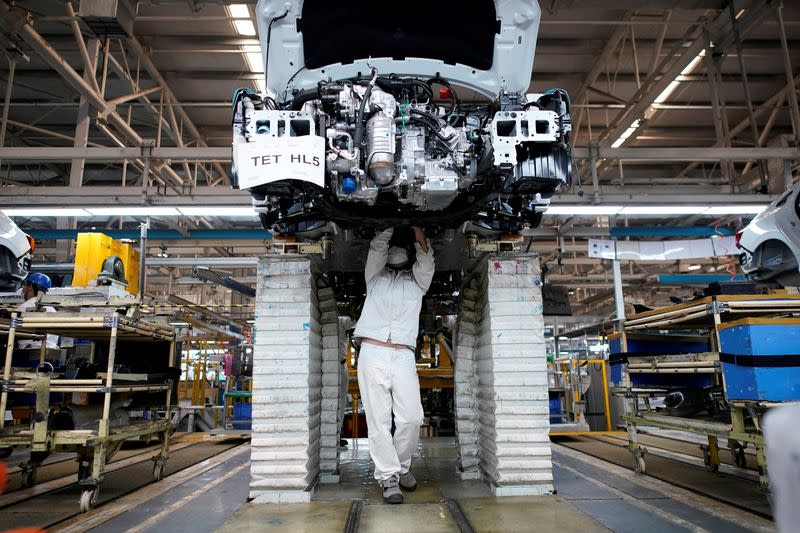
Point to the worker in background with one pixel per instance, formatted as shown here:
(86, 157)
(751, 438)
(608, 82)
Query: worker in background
(387, 371)
(34, 286)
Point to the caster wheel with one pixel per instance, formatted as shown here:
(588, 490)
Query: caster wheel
(88, 499)
(158, 471)
(711, 467)
(28, 478)
(639, 465)
(739, 458)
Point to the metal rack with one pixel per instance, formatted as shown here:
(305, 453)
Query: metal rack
(94, 447)
(703, 317)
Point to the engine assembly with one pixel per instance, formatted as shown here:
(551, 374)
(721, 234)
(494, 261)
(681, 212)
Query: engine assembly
(386, 149)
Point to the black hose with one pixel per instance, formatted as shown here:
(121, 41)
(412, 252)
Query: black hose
(358, 137)
(455, 109)
(432, 122)
(302, 97)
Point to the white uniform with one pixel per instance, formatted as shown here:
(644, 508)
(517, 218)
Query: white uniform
(387, 376)
(31, 304)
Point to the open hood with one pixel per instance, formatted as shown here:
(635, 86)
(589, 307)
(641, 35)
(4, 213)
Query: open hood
(484, 45)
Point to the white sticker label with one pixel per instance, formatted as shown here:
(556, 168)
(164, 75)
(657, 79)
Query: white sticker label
(281, 158)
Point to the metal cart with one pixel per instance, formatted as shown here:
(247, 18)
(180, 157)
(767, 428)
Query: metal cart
(680, 361)
(95, 446)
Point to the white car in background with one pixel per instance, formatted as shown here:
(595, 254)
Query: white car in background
(16, 252)
(770, 244)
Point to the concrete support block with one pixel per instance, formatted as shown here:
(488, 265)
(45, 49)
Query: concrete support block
(501, 377)
(331, 384)
(287, 382)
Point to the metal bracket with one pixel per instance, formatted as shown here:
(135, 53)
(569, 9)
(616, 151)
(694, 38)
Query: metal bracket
(505, 245)
(323, 247)
(717, 308)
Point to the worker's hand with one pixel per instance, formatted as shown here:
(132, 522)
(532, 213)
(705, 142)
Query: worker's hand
(419, 236)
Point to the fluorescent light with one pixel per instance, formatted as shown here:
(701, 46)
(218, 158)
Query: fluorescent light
(583, 210)
(253, 56)
(664, 210)
(735, 210)
(244, 27)
(239, 11)
(694, 267)
(45, 212)
(625, 134)
(179, 324)
(212, 211)
(661, 98)
(133, 211)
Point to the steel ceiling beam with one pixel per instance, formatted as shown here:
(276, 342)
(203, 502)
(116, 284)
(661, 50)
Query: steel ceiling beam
(154, 73)
(720, 29)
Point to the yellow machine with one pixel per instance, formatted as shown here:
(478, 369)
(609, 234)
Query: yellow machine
(91, 254)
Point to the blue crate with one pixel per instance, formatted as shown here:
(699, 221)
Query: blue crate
(760, 359)
(555, 408)
(242, 410)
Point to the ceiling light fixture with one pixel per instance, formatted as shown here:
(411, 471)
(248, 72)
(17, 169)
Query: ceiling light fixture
(575, 210)
(45, 212)
(735, 210)
(241, 15)
(244, 212)
(664, 209)
(252, 53)
(133, 211)
(694, 267)
(660, 99)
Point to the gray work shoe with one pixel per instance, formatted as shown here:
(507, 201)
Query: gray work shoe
(407, 482)
(391, 490)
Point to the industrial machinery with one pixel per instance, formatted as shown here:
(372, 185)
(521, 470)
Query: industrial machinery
(404, 119)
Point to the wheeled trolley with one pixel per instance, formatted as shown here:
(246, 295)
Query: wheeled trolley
(93, 413)
(714, 366)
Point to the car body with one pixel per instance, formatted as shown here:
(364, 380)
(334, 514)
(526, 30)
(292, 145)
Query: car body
(770, 244)
(16, 250)
(421, 116)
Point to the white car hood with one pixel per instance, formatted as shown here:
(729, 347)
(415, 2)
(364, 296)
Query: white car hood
(484, 45)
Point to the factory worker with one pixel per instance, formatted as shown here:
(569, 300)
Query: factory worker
(34, 286)
(387, 372)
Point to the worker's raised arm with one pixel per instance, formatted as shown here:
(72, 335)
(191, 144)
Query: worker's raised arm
(424, 266)
(378, 254)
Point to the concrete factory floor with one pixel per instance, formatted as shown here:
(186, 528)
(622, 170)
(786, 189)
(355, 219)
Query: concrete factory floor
(592, 496)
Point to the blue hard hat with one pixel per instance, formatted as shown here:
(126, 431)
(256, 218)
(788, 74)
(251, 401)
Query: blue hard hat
(42, 281)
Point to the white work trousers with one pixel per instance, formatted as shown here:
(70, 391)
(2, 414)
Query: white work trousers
(388, 383)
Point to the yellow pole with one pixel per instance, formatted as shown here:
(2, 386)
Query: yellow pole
(204, 368)
(605, 395)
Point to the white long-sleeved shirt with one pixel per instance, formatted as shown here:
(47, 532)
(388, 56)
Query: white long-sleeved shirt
(394, 298)
(31, 304)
